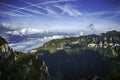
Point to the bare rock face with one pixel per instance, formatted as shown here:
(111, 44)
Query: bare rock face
(4, 49)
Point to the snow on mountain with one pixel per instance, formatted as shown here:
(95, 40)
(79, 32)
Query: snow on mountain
(26, 31)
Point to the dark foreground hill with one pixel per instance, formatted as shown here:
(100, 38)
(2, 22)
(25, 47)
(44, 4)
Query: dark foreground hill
(20, 66)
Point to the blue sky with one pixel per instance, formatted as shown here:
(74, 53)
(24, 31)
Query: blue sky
(88, 15)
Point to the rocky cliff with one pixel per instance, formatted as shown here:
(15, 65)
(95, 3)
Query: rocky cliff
(20, 66)
(4, 49)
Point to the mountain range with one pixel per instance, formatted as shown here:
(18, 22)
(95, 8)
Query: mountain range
(90, 57)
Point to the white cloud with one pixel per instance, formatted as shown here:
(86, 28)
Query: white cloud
(54, 37)
(27, 45)
(57, 1)
(20, 8)
(26, 8)
(67, 9)
(49, 11)
(114, 13)
(10, 14)
(26, 31)
(32, 43)
(4, 9)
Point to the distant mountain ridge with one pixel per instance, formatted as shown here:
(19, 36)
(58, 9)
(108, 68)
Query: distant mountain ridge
(109, 40)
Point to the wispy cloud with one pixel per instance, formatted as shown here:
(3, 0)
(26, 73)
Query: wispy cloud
(112, 13)
(11, 14)
(17, 9)
(57, 1)
(49, 11)
(27, 11)
(4, 9)
(67, 9)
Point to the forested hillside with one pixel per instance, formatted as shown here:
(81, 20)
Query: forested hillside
(20, 66)
(85, 57)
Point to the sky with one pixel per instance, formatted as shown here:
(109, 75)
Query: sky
(60, 15)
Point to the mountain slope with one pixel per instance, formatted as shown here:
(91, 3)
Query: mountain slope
(20, 66)
(102, 43)
(86, 57)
